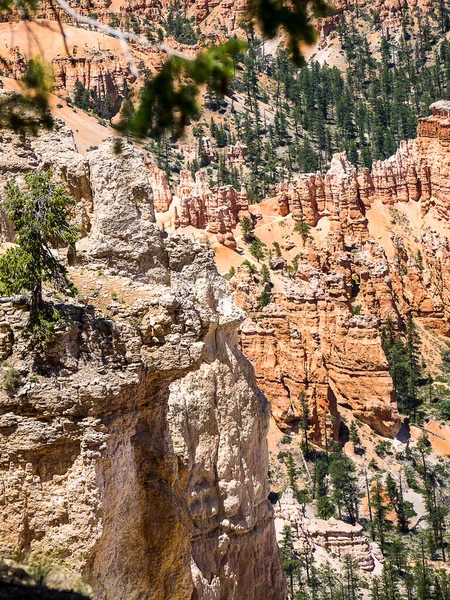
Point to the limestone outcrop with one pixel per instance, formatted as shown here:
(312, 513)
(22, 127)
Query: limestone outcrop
(218, 210)
(308, 340)
(133, 446)
(333, 535)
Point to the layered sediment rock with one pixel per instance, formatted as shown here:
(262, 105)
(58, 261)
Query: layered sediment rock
(133, 447)
(162, 194)
(218, 210)
(338, 194)
(97, 63)
(337, 537)
(307, 340)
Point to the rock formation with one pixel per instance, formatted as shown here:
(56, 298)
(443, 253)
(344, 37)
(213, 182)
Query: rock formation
(162, 195)
(97, 62)
(333, 535)
(236, 154)
(307, 340)
(133, 446)
(320, 334)
(218, 210)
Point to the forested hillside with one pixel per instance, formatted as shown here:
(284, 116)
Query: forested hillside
(295, 119)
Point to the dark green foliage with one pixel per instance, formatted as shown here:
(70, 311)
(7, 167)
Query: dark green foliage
(405, 364)
(257, 249)
(251, 266)
(265, 273)
(345, 495)
(403, 509)
(304, 424)
(444, 408)
(341, 499)
(354, 435)
(264, 299)
(294, 18)
(383, 448)
(81, 95)
(246, 226)
(179, 27)
(40, 215)
(302, 228)
(380, 524)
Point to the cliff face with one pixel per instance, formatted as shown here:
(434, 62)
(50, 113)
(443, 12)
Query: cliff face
(321, 333)
(94, 59)
(218, 210)
(133, 449)
(309, 340)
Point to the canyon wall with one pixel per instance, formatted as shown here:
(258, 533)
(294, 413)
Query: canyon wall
(321, 332)
(133, 448)
(217, 210)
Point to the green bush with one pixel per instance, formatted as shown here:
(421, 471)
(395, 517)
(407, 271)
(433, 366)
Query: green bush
(444, 408)
(12, 380)
(384, 447)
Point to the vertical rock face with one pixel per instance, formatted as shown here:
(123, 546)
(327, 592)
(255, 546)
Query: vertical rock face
(218, 210)
(96, 62)
(338, 195)
(321, 332)
(307, 340)
(133, 451)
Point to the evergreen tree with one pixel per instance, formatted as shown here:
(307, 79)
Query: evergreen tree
(40, 215)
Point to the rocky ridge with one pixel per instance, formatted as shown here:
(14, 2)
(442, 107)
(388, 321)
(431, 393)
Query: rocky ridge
(133, 448)
(336, 537)
(217, 210)
(320, 334)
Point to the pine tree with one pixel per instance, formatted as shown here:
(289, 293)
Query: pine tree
(40, 215)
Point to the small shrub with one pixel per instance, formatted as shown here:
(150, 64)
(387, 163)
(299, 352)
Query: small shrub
(251, 266)
(264, 299)
(384, 447)
(356, 310)
(12, 380)
(302, 228)
(114, 295)
(444, 408)
(373, 464)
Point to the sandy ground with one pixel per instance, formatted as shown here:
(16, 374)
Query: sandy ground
(440, 441)
(43, 38)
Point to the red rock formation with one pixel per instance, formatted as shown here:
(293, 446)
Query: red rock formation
(218, 210)
(308, 340)
(311, 197)
(162, 196)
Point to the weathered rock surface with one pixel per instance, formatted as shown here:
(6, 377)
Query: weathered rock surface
(333, 535)
(218, 210)
(133, 449)
(308, 338)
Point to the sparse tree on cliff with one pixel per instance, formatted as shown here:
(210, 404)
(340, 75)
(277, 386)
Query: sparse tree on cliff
(403, 509)
(246, 228)
(304, 423)
(40, 215)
